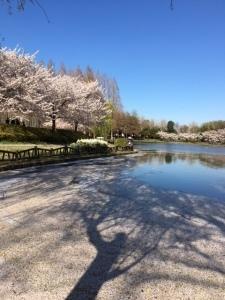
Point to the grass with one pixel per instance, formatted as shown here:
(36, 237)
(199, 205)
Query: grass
(30, 135)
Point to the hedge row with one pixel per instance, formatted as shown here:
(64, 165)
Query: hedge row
(15, 133)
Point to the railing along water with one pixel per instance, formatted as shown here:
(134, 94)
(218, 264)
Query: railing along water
(36, 152)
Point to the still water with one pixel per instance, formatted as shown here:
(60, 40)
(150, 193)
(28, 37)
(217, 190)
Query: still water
(187, 148)
(198, 170)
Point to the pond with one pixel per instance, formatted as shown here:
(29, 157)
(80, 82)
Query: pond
(193, 169)
(179, 147)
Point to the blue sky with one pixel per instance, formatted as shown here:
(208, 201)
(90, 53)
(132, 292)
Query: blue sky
(168, 64)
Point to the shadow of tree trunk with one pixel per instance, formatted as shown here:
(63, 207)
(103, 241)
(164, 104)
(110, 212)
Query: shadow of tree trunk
(98, 272)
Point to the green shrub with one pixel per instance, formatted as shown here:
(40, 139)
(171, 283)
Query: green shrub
(121, 142)
(150, 133)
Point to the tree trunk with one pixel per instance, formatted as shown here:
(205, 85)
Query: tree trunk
(111, 134)
(76, 126)
(53, 124)
(53, 118)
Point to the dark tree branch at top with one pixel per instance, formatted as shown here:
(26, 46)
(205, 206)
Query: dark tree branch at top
(42, 9)
(20, 5)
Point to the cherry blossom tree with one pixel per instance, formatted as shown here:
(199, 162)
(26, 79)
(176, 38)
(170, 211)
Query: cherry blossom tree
(86, 105)
(30, 89)
(23, 83)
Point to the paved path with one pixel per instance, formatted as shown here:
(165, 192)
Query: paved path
(89, 231)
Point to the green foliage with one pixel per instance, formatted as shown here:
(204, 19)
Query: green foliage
(170, 127)
(121, 142)
(213, 125)
(105, 126)
(150, 133)
(102, 130)
(12, 133)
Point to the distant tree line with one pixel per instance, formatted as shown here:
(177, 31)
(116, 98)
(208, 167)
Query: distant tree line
(130, 124)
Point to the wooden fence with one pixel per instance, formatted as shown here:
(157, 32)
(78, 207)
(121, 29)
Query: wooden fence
(36, 152)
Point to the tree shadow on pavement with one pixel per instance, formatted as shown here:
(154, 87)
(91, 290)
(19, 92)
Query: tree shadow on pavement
(131, 226)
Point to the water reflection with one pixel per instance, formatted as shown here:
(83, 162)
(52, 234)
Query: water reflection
(200, 174)
(211, 161)
(168, 158)
(179, 147)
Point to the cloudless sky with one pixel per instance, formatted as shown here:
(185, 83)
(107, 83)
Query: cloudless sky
(168, 64)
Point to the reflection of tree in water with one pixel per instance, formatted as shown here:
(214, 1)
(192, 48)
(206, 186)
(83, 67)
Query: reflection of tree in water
(212, 161)
(168, 158)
